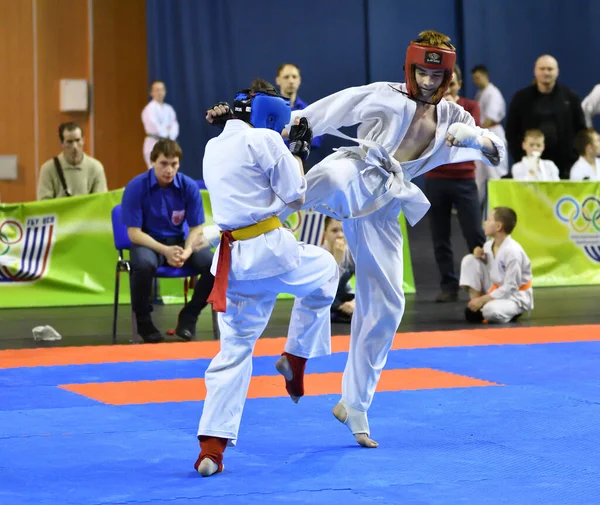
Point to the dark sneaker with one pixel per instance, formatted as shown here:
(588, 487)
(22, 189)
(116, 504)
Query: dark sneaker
(146, 329)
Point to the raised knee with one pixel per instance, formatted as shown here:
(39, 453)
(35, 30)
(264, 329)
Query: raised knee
(469, 262)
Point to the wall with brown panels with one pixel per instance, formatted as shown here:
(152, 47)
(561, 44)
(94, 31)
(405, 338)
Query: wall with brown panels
(62, 53)
(17, 96)
(120, 87)
(32, 64)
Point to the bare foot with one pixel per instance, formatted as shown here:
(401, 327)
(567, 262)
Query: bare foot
(207, 467)
(341, 414)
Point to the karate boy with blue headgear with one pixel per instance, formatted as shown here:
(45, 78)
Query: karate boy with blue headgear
(251, 177)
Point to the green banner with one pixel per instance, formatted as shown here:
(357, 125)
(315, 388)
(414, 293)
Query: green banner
(61, 252)
(558, 225)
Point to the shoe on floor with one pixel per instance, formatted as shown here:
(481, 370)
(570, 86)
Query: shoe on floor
(186, 327)
(146, 329)
(473, 317)
(446, 296)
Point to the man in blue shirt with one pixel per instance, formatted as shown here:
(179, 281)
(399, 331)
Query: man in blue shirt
(155, 207)
(288, 79)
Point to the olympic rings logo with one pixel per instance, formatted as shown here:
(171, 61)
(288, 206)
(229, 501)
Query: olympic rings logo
(7, 235)
(581, 217)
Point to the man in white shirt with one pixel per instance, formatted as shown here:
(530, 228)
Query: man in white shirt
(591, 105)
(587, 167)
(498, 277)
(493, 110)
(159, 120)
(251, 177)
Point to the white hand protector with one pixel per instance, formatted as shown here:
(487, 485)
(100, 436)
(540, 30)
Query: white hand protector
(462, 135)
(212, 234)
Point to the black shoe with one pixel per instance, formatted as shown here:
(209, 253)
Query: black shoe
(447, 296)
(146, 329)
(186, 327)
(473, 317)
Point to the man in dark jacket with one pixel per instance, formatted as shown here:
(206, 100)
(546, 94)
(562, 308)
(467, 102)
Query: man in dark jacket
(550, 107)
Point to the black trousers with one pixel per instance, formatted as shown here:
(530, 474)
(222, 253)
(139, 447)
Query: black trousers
(444, 194)
(144, 262)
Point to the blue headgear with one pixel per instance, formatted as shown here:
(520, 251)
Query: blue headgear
(263, 109)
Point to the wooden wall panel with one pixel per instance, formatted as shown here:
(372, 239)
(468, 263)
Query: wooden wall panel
(17, 96)
(120, 87)
(116, 67)
(62, 28)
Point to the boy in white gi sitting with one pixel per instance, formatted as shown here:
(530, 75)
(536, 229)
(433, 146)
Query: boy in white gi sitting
(532, 167)
(587, 167)
(498, 276)
(251, 177)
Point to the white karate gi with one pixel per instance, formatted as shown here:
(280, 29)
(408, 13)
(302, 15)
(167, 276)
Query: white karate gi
(367, 188)
(582, 170)
(591, 106)
(251, 176)
(159, 120)
(492, 106)
(509, 270)
(528, 170)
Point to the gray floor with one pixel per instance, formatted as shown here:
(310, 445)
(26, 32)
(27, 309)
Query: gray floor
(92, 325)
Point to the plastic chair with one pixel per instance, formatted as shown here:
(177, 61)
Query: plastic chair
(122, 242)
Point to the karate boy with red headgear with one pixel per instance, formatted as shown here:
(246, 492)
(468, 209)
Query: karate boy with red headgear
(405, 130)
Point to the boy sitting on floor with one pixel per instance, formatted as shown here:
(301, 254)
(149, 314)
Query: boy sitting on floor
(498, 276)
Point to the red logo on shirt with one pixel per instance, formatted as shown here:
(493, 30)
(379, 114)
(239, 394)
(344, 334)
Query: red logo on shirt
(178, 217)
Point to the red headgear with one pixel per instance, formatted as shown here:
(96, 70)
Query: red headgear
(429, 57)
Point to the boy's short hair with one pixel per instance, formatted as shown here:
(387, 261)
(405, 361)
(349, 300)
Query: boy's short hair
(480, 68)
(262, 86)
(534, 133)
(507, 217)
(582, 139)
(170, 148)
(328, 219)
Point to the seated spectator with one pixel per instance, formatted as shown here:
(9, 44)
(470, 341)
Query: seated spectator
(343, 305)
(587, 167)
(72, 172)
(155, 206)
(532, 167)
(498, 275)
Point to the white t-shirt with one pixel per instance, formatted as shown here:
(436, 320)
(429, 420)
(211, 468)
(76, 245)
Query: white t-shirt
(528, 170)
(251, 175)
(582, 170)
